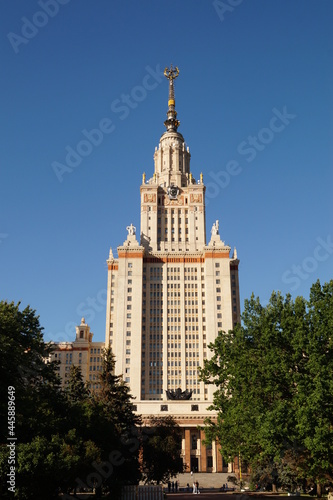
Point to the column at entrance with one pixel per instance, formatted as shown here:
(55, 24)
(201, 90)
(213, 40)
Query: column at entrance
(214, 456)
(219, 458)
(188, 449)
(203, 452)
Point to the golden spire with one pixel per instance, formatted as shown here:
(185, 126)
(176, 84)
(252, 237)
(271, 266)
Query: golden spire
(171, 123)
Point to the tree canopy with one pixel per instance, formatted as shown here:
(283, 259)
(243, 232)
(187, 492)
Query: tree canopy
(161, 452)
(274, 394)
(66, 439)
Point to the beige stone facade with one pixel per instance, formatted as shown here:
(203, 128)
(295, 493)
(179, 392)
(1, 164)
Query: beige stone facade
(82, 352)
(169, 293)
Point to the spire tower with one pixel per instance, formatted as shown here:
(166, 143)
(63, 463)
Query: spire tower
(171, 123)
(170, 293)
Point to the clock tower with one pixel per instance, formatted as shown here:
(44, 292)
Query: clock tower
(182, 226)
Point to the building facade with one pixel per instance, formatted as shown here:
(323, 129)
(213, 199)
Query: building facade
(169, 293)
(82, 352)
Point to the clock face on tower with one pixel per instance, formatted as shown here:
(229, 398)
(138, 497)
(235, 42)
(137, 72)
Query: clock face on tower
(173, 192)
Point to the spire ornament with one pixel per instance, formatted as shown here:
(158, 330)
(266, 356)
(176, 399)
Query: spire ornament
(171, 123)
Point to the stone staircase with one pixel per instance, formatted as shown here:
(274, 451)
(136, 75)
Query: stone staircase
(206, 480)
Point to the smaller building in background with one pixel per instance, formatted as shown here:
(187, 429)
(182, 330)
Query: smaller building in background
(83, 352)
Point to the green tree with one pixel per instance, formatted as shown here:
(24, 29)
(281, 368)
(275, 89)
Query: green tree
(40, 406)
(161, 450)
(274, 388)
(67, 438)
(22, 366)
(314, 396)
(117, 429)
(76, 388)
(47, 466)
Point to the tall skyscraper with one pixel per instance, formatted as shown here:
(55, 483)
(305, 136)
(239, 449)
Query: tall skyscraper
(169, 293)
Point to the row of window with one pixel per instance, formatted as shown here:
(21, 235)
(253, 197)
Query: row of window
(95, 368)
(173, 211)
(95, 350)
(68, 355)
(159, 220)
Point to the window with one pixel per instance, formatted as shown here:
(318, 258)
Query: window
(130, 264)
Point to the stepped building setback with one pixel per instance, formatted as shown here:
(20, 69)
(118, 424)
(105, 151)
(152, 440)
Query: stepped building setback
(169, 293)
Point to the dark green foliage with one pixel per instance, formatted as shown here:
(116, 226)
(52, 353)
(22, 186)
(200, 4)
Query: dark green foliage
(116, 429)
(161, 450)
(76, 390)
(22, 364)
(275, 388)
(65, 439)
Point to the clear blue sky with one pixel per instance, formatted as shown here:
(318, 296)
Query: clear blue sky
(67, 66)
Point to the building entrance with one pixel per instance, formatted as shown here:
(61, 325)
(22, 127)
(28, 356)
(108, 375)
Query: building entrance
(194, 464)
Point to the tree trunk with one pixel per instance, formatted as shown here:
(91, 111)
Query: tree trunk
(274, 488)
(319, 490)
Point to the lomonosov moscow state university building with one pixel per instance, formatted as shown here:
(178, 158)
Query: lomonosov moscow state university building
(169, 293)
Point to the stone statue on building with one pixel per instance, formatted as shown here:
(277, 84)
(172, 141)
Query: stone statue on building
(131, 230)
(215, 228)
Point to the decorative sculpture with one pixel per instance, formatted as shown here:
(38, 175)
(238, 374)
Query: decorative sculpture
(215, 228)
(178, 394)
(131, 230)
(171, 73)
